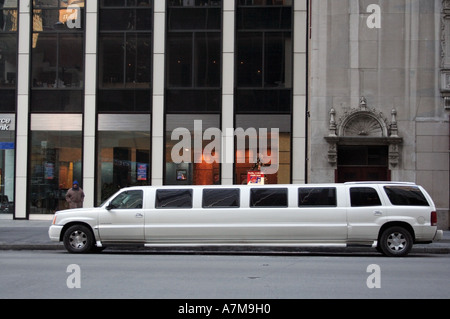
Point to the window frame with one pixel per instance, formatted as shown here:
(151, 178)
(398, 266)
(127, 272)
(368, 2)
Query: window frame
(253, 202)
(377, 204)
(110, 205)
(406, 200)
(235, 192)
(311, 190)
(183, 192)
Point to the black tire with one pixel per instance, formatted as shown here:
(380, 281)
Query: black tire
(78, 239)
(396, 241)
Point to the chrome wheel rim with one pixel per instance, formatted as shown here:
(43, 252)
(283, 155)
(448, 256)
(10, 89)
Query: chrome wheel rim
(396, 242)
(78, 239)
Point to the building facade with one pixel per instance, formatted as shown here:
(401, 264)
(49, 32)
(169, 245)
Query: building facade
(114, 93)
(377, 94)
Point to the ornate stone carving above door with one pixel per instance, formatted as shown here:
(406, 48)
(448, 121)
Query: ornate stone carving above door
(363, 126)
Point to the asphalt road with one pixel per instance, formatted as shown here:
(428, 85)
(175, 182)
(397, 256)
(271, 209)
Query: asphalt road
(57, 274)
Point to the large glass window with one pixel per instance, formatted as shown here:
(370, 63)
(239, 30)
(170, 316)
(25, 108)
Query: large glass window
(8, 55)
(264, 56)
(55, 160)
(194, 53)
(125, 56)
(192, 149)
(263, 143)
(7, 160)
(123, 153)
(57, 64)
(8, 92)
(263, 94)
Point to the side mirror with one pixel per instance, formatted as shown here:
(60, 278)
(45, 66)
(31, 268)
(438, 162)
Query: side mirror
(110, 206)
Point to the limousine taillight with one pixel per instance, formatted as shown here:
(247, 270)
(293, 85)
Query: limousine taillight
(433, 219)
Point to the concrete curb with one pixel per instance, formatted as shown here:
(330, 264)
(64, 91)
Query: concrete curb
(419, 249)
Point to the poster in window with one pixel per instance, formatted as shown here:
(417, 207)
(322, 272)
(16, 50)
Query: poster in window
(49, 170)
(181, 175)
(142, 172)
(255, 178)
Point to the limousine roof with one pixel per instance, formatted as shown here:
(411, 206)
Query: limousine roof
(271, 185)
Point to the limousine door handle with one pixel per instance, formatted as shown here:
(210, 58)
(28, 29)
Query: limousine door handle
(378, 213)
(139, 215)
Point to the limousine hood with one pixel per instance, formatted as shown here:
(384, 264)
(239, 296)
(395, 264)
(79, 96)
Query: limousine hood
(88, 215)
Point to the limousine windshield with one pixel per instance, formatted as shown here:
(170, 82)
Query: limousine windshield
(376, 215)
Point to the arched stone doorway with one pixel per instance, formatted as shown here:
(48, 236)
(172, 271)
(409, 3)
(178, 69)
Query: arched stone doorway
(363, 146)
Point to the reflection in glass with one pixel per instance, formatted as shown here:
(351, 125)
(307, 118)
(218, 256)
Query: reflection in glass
(123, 160)
(56, 162)
(8, 60)
(57, 61)
(254, 155)
(192, 157)
(7, 164)
(8, 16)
(125, 60)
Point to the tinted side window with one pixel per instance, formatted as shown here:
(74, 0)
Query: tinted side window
(220, 198)
(127, 200)
(364, 196)
(406, 195)
(173, 198)
(319, 197)
(268, 197)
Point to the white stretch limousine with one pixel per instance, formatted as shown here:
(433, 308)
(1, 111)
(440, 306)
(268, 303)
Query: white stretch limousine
(388, 216)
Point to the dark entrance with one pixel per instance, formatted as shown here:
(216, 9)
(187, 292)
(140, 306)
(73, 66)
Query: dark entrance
(362, 163)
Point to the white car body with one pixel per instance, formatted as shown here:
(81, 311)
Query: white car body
(345, 216)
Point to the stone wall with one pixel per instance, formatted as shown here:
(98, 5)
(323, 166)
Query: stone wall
(395, 67)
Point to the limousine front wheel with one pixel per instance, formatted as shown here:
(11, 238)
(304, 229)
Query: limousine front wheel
(396, 242)
(78, 239)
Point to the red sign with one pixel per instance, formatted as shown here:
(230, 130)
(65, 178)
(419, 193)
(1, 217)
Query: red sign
(255, 178)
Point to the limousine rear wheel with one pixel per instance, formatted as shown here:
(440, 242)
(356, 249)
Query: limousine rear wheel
(396, 241)
(78, 239)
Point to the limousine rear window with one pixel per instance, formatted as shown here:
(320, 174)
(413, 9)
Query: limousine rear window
(317, 197)
(364, 196)
(173, 198)
(268, 197)
(221, 198)
(406, 196)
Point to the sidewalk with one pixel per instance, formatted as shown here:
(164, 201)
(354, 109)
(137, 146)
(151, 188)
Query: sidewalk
(33, 235)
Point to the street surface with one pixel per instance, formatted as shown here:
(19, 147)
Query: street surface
(123, 274)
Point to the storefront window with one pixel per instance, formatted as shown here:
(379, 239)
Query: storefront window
(263, 144)
(7, 146)
(192, 149)
(8, 92)
(56, 160)
(123, 153)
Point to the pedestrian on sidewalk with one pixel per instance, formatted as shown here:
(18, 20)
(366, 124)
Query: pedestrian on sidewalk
(75, 196)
